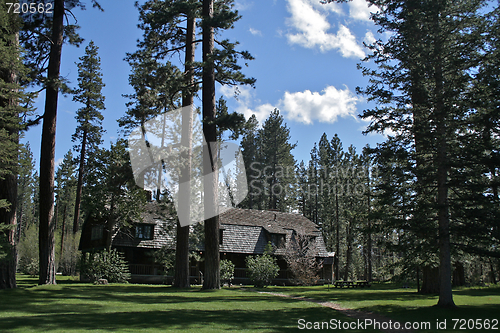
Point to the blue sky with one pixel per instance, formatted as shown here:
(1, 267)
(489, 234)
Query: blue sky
(306, 55)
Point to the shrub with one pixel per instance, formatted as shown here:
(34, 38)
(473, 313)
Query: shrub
(104, 265)
(5, 247)
(301, 260)
(27, 251)
(262, 269)
(31, 267)
(226, 271)
(165, 257)
(68, 259)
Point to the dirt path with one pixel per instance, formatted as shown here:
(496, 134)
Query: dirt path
(355, 314)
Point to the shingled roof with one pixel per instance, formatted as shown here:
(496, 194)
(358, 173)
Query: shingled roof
(272, 221)
(244, 230)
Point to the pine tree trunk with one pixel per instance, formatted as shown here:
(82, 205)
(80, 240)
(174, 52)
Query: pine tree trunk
(430, 280)
(111, 223)
(79, 185)
(210, 168)
(369, 246)
(181, 278)
(19, 218)
(418, 279)
(445, 292)
(336, 259)
(492, 272)
(63, 230)
(8, 191)
(47, 152)
(458, 275)
(348, 255)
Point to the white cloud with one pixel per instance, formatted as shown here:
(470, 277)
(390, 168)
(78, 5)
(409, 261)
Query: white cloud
(242, 4)
(359, 10)
(331, 7)
(255, 32)
(312, 27)
(58, 162)
(305, 107)
(244, 99)
(369, 38)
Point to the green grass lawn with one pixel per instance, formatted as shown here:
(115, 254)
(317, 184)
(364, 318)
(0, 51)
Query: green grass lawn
(71, 306)
(76, 307)
(406, 305)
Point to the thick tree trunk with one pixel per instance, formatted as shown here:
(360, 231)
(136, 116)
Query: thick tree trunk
(8, 191)
(47, 152)
(430, 280)
(81, 170)
(459, 275)
(210, 168)
(181, 278)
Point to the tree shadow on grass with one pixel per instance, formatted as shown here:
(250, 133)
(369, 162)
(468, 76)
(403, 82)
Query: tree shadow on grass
(350, 295)
(265, 319)
(433, 314)
(480, 291)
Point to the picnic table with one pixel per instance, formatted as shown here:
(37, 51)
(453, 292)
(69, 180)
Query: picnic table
(351, 284)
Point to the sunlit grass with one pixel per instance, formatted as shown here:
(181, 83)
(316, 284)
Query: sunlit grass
(71, 306)
(406, 305)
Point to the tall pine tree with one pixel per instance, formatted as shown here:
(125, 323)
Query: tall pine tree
(89, 130)
(11, 69)
(424, 72)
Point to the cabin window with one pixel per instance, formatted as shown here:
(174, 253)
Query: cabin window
(221, 234)
(278, 240)
(96, 232)
(144, 231)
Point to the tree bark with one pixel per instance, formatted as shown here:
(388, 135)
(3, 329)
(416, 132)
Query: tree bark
(348, 255)
(418, 279)
(63, 229)
(430, 280)
(369, 245)
(445, 292)
(111, 223)
(458, 275)
(492, 272)
(181, 278)
(79, 185)
(210, 167)
(47, 152)
(8, 191)
(336, 259)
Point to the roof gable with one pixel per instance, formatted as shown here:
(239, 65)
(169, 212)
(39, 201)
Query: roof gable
(273, 222)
